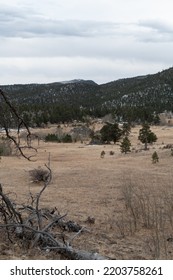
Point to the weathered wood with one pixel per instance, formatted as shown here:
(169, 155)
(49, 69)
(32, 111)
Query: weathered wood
(39, 227)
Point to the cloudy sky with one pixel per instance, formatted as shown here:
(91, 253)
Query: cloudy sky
(102, 40)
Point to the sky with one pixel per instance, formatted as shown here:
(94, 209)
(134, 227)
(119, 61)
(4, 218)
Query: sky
(101, 40)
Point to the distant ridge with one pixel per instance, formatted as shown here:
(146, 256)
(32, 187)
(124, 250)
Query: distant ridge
(131, 99)
(75, 81)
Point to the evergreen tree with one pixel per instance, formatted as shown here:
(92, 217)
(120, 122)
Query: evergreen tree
(126, 129)
(146, 136)
(110, 132)
(155, 157)
(125, 145)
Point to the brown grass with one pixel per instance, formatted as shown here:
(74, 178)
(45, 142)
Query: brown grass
(85, 185)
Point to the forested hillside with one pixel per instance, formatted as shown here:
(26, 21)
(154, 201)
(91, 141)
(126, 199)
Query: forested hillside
(132, 99)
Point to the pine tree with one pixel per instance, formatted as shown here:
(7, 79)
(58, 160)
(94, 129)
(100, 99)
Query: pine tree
(126, 129)
(125, 145)
(110, 132)
(146, 136)
(155, 157)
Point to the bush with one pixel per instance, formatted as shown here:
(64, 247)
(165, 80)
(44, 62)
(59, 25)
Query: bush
(52, 138)
(102, 154)
(67, 138)
(155, 157)
(39, 175)
(5, 148)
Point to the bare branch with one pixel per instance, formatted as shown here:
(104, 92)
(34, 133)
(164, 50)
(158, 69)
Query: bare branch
(74, 236)
(10, 208)
(39, 196)
(20, 123)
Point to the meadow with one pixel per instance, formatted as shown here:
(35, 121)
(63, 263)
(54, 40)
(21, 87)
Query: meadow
(128, 198)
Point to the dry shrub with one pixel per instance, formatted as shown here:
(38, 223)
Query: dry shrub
(146, 209)
(39, 175)
(102, 154)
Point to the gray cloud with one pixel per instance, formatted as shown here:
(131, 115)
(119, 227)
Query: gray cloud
(8, 14)
(24, 24)
(41, 44)
(34, 27)
(74, 47)
(158, 25)
(156, 30)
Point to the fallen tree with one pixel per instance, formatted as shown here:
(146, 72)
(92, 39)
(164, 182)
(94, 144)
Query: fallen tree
(45, 228)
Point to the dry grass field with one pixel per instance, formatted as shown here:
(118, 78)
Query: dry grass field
(130, 198)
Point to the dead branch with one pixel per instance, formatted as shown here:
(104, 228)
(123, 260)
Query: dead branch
(82, 255)
(46, 183)
(74, 236)
(74, 254)
(9, 209)
(20, 123)
(60, 247)
(41, 229)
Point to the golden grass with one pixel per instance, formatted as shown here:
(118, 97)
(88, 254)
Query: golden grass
(85, 185)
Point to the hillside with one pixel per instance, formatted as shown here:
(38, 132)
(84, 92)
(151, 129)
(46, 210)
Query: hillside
(141, 88)
(132, 99)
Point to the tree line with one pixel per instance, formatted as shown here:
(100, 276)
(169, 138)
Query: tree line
(113, 133)
(35, 115)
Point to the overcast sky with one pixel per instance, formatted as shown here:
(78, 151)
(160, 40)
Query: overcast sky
(102, 40)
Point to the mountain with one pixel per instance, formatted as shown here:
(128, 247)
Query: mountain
(145, 94)
(131, 99)
(71, 92)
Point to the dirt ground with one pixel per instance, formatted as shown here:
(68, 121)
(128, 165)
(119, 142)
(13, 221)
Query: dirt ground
(85, 185)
